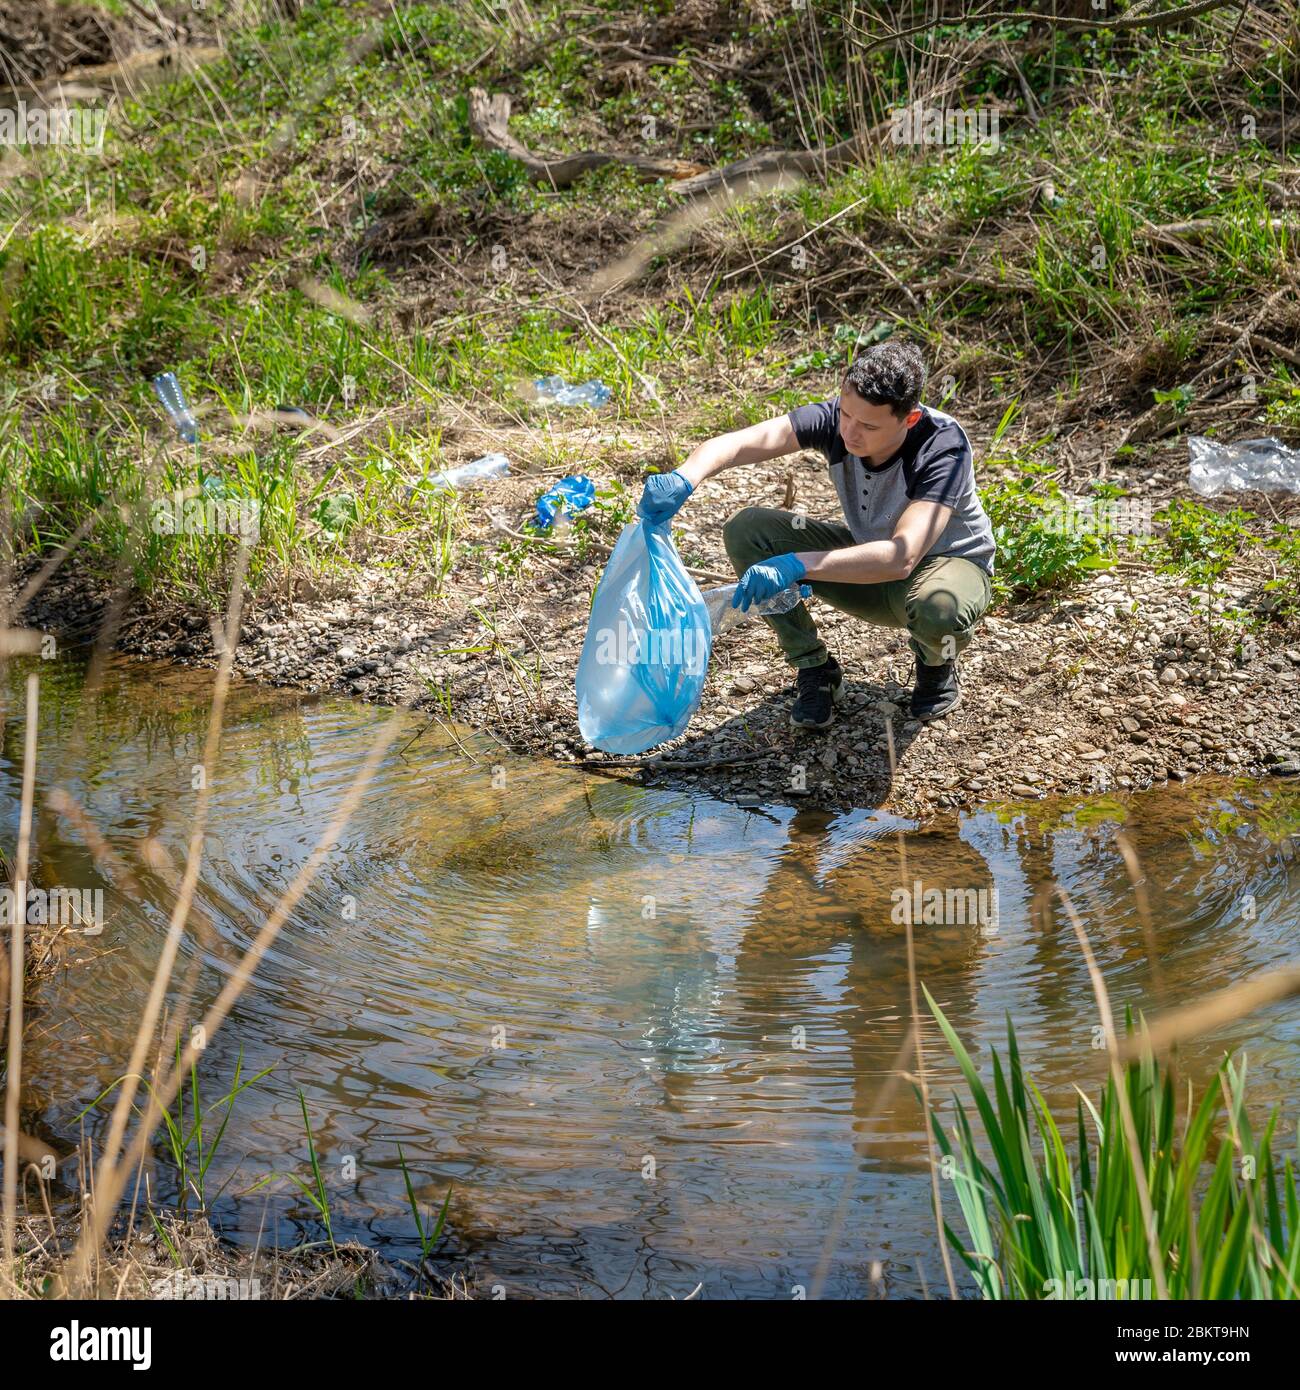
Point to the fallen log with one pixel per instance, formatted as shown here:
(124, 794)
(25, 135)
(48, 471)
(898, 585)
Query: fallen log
(489, 118)
(489, 123)
(761, 168)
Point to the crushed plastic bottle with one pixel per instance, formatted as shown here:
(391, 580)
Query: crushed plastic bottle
(167, 387)
(723, 617)
(464, 475)
(1258, 465)
(572, 494)
(554, 390)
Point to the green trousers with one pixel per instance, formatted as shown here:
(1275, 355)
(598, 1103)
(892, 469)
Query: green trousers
(939, 603)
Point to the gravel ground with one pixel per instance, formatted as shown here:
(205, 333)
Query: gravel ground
(1111, 685)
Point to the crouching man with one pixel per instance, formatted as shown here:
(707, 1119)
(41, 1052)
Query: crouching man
(915, 549)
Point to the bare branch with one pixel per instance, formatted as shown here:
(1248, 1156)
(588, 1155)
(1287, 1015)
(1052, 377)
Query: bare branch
(1163, 20)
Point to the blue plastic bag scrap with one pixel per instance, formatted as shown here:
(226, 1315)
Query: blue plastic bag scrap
(646, 654)
(572, 494)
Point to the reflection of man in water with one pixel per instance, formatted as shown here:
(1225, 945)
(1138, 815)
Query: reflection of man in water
(821, 954)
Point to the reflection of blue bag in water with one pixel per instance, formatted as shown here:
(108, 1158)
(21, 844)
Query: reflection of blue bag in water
(643, 664)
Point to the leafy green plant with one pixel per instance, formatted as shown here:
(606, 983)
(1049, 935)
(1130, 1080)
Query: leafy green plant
(336, 514)
(1179, 397)
(429, 1235)
(1282, 393)
(1041, 1224)
(192, 1145)
(1284, 589)
(1037, 549)
(1201, 544)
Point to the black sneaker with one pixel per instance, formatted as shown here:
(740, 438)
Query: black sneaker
(818, 689)
(937, 690)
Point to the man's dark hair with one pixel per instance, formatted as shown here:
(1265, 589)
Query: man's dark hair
(891, 374)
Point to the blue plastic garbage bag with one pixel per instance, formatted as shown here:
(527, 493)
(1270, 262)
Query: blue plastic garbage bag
(642, 669)
(571, 494)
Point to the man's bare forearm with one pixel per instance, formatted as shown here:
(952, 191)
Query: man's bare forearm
(756, 444)
(715, 455)
(873, 562)
(710, 458)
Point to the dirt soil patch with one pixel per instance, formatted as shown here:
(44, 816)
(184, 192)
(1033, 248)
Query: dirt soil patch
(40, 39)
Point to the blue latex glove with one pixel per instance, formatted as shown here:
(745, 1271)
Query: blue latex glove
(663, 496)
(766, 579)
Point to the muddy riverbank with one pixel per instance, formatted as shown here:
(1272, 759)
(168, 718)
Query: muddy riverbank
(1116, 683)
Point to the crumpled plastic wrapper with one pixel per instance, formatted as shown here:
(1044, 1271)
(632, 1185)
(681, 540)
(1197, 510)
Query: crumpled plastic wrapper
(1247, 465)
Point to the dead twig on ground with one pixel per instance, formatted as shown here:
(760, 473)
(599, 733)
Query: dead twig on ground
(1163, 20)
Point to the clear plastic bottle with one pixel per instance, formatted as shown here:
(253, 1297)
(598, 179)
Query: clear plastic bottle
(723, 617)
(465, 474)
(172, 395)
(554, 390)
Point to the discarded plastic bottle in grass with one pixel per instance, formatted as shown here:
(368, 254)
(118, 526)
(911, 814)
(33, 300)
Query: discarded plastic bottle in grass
(554, 390)
(724, 617)
(1248, 465)
(572, 494)
(169, 392)
(477, 471)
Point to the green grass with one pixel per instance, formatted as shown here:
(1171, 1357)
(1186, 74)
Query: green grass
(88, 315)
(192, 1144)
(1037, 1219)
(429, 1232)
(313, 1188)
